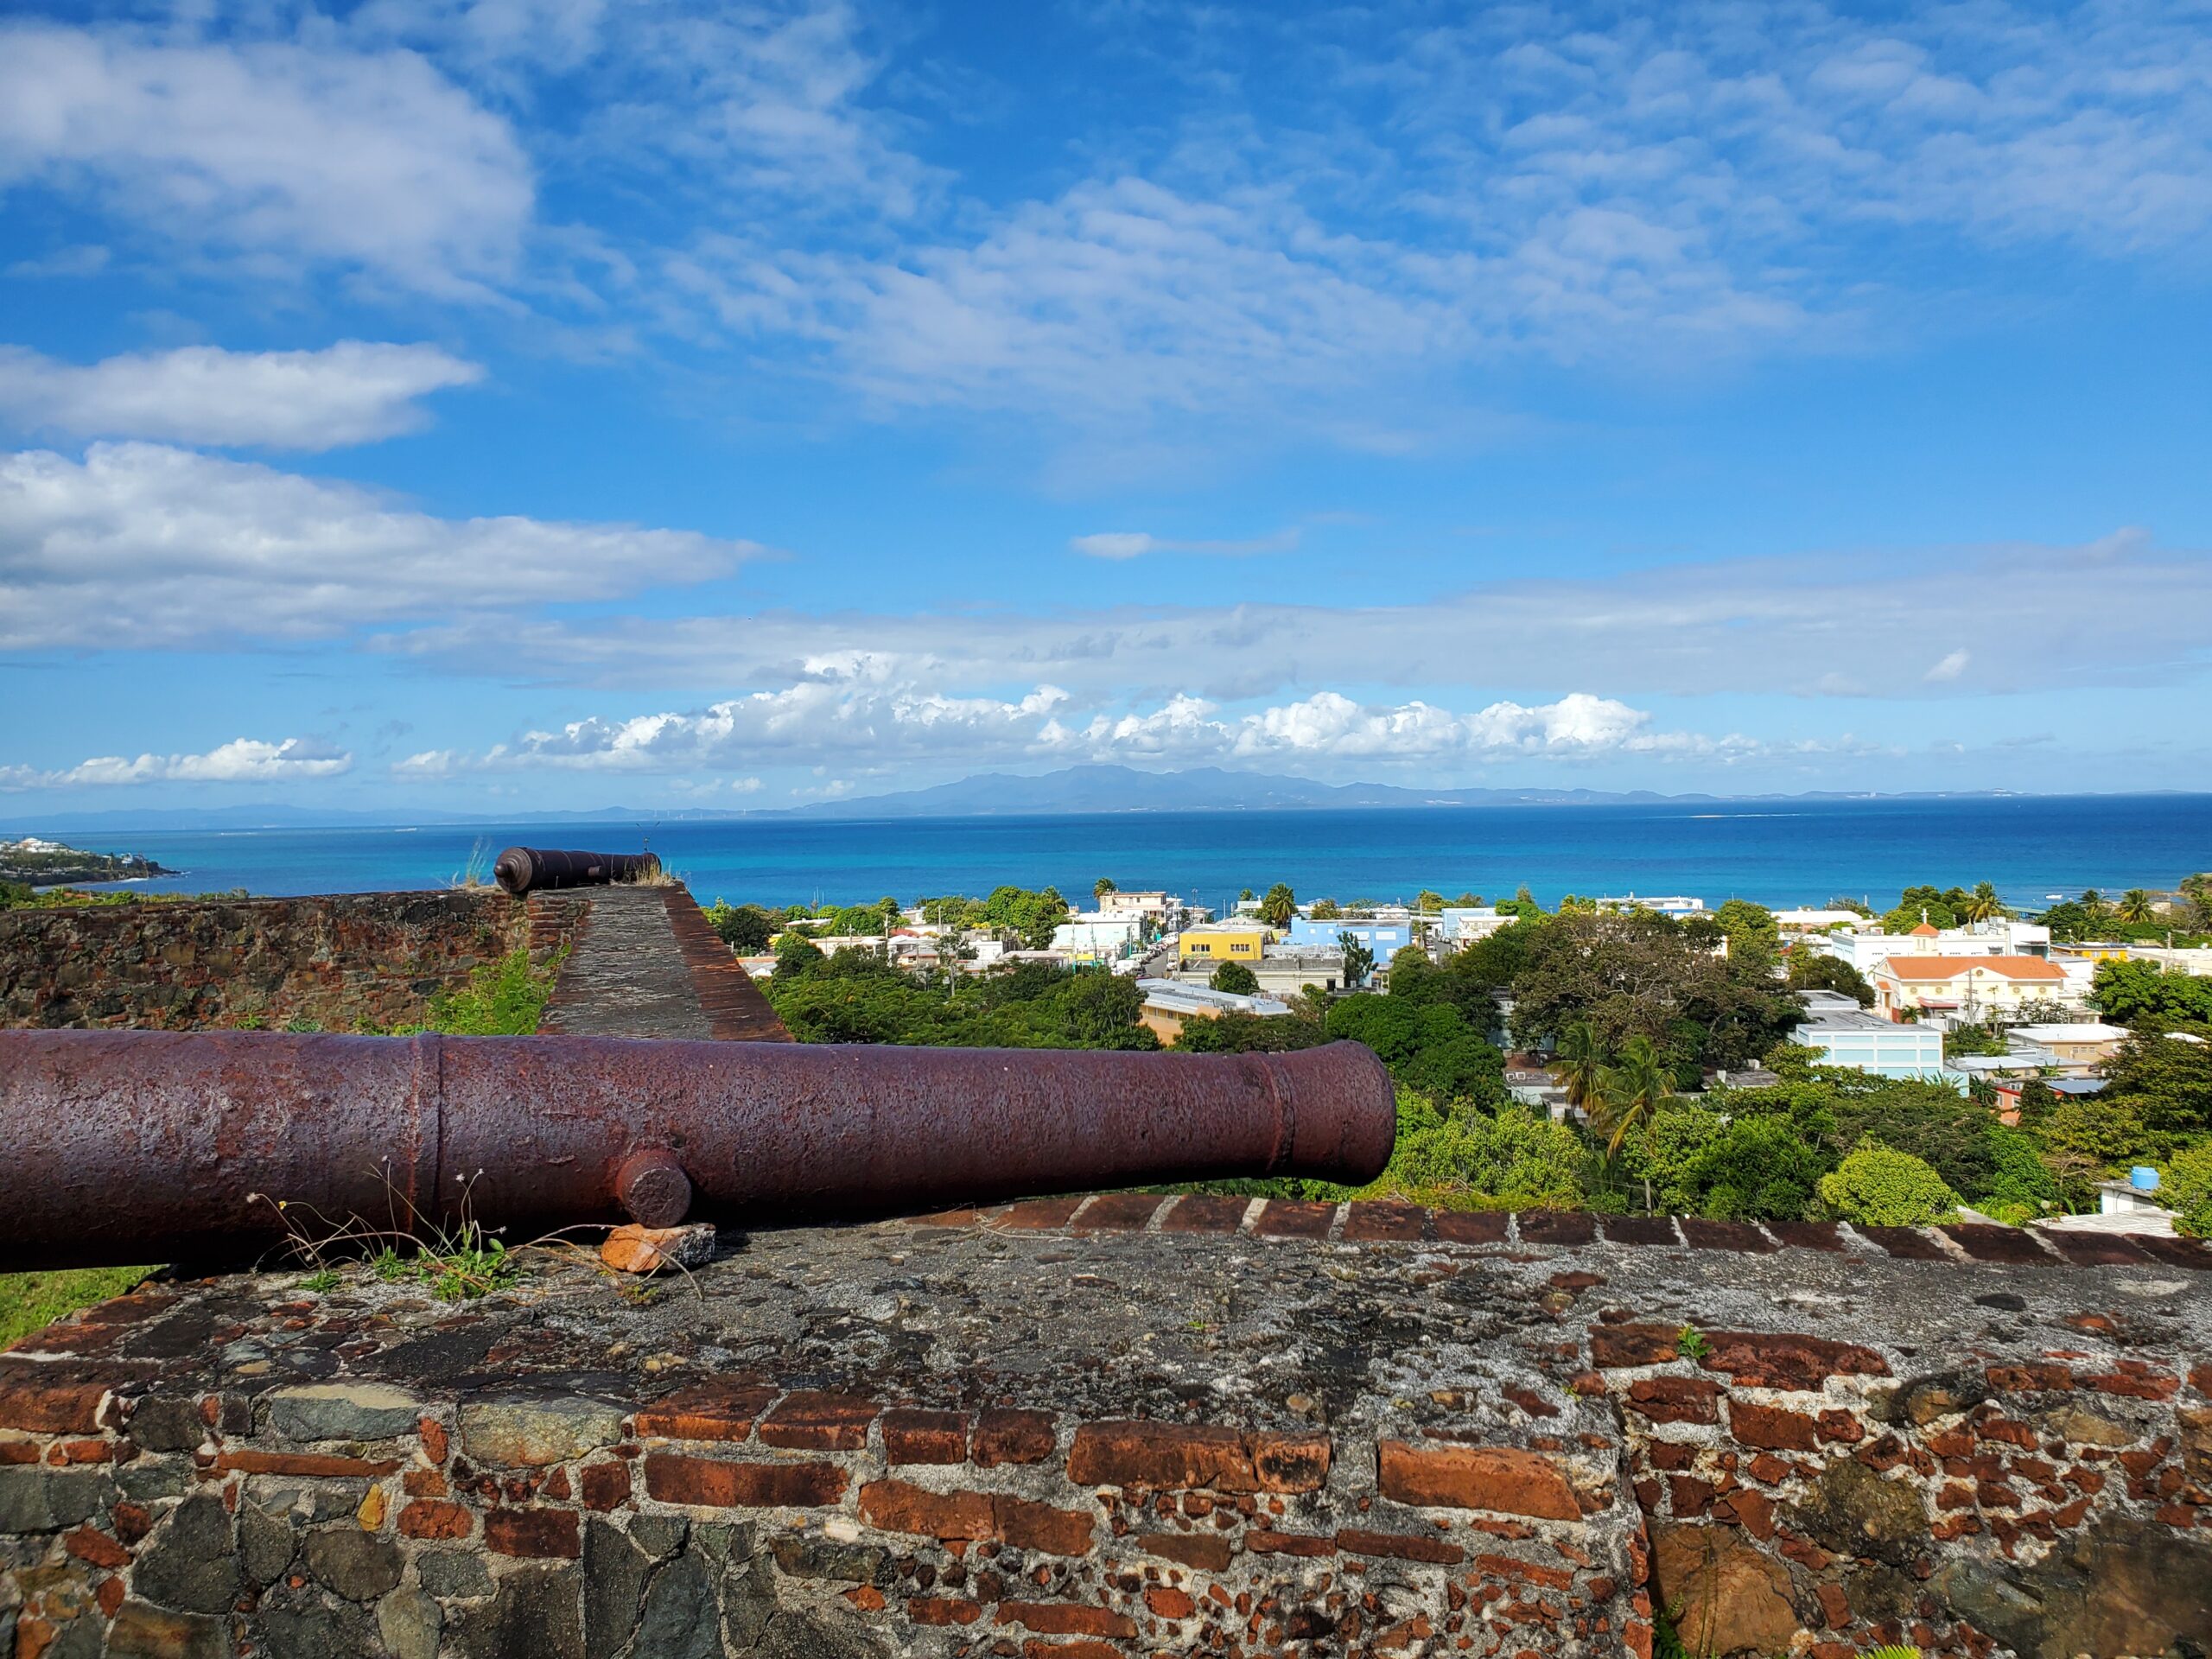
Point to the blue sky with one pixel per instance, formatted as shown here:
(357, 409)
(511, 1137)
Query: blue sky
(537, 403)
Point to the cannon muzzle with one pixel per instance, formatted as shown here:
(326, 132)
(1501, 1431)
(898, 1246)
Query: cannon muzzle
(137, 1145)
(528, 869)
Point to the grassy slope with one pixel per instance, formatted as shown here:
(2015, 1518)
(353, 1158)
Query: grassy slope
(31, 1301)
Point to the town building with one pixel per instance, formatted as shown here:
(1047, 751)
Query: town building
(1385, 938)
(2074, 1043)
(1866, 948)
(1220, 942)
(1967, 990)
(1815, 921)
(1675, 904)
(1462, 924)
(1840, 1033)
(1099, 938)
(1154, 907)
(1170, 1004)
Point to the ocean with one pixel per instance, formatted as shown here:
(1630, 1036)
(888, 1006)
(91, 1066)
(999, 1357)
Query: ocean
(1778, 854)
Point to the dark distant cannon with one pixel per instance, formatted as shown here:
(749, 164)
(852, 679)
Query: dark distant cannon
(526, 869)
(126, 1146)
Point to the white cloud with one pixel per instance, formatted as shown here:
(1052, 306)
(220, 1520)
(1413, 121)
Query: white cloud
(1130, 545)
(241, 760)
(352, 392)
(863, 713)
(272, 151)
(146, 546)
(1950, 667)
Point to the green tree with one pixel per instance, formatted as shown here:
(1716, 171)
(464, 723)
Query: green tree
(1877, 1188)
(1750, 928)
(1431, 1048)
(1581, 1061)
(1757, 1169)
(2197, 892)
(1234, 976)
(1029, 916)
(1515, 1158)
(1982, 904)
(1633, 1090)
(1249, 1033)
(2165, 1080)
(1102, 886)
(1325, 909)
(1815, 970)
(1429, 904)
(1278, 906)
(1359, 961)
(1467, 901)
(2135, 907)
(746, 929)
(2143, 994)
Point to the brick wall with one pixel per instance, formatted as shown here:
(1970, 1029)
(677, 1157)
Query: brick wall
(341, 960)
(1123, 1425)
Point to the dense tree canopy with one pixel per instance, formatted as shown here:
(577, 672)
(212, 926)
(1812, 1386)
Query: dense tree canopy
(855, 997)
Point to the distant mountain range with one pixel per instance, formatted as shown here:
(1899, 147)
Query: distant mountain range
(1085, 789)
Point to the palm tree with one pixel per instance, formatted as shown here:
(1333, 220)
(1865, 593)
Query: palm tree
(1983, 904)
(2135, 906)
(1582, 1058)
(1633, 1091)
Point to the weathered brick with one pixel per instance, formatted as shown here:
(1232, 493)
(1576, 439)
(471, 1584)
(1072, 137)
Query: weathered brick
(1042, 1528)
(1013, 1437)
(1725, 1235)
(1205, 1212)
(432, 1518)
(1556, 1226)
(546, 1534)
(1378, 1221)
(1290, 1463)
(1675, 1399)
(1167, 1602)
(897, 1506)
(1771, 1426)
(1173, 1455)
(711, 1483)
(1262, 1542)
(2014, 1246)
(1769, 1360)
(708, 1412)
(1499, 1478)
(1038, 1214)
(2135, 1381)
(912, 1436)
(942, 1610)
(1066, 1618)
(435, 1441)
(1808, 1235)
(89, 1544)
(1638, 1230)
(812, 1421)
(40, 1404)
(1616, 1347)
(1116, 1212)
(606, 1486)
(1399, 1546)
(1470, 1226)
(1039, 1650)
(1511, 1567)
(1295, 1218)
(313, 1465)
(1208, 1552)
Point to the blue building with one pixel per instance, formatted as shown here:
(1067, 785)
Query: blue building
(1843, 1034)
(1385, 939)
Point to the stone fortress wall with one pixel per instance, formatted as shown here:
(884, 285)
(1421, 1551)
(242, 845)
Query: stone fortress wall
(1102, 1428)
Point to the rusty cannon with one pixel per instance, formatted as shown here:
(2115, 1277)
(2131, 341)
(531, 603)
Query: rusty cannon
(128, 1146)
(522, 870)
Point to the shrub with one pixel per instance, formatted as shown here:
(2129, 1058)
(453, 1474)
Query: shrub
(1883, 1188)
(2186, 1184)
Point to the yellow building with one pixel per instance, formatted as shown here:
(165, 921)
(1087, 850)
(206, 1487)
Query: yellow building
(1227, 942)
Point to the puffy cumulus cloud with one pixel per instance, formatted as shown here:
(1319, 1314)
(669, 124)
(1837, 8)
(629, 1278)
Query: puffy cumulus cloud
(1814, 625)
(241, 760)
(352, 392)
(275, 152)
(143, 545)
(871, 716)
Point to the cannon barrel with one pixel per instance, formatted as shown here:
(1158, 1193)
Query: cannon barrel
(527, 869)
(132, 1146)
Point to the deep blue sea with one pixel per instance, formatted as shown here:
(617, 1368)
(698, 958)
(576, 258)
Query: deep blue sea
(1774, 853)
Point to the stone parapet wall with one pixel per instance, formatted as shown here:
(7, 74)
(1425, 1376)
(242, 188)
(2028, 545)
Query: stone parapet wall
(341, 961)
(1122, 1426)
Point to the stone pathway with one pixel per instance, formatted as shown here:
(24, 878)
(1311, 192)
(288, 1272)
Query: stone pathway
(647, 964)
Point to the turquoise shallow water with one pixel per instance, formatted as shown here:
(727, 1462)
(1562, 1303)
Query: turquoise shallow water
(1774, 853)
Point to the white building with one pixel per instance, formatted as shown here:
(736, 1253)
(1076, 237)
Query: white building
(1098, 937)
(1815, 921)
(1157, 907)
(1462, 924)
(1170, 1004)
(1866, 949)
(1675, 904)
